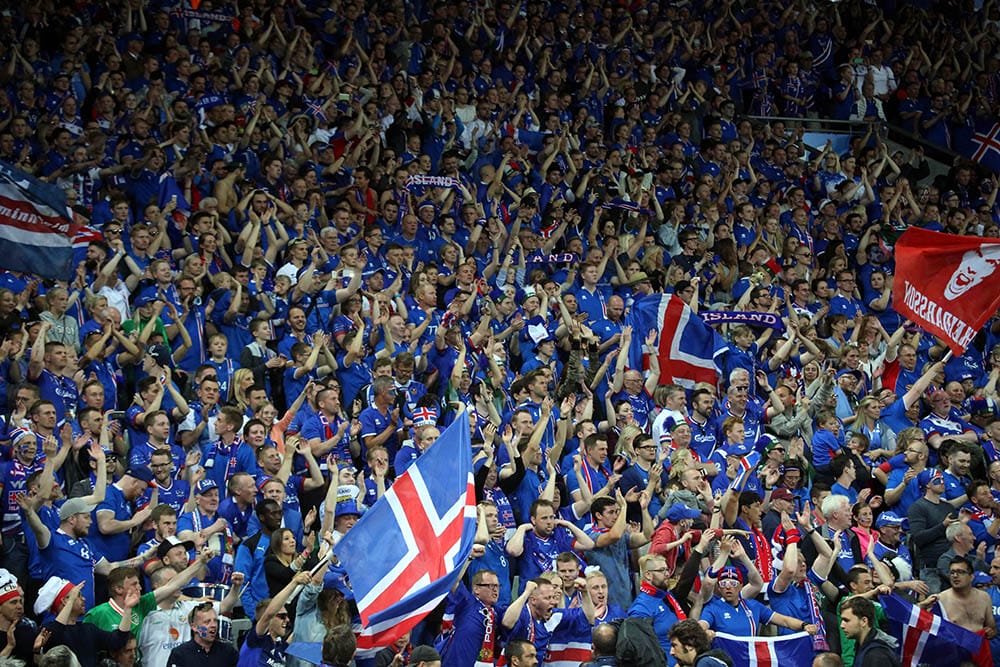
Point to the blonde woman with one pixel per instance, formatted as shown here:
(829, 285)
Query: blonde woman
(241, 383)
(62, 328)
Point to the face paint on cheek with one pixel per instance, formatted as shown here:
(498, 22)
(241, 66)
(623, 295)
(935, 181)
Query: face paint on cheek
(202, 630)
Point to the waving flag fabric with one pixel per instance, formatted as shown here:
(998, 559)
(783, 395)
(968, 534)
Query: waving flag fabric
(982, 144)
(689, 350)
(947, 283)
(405, 553)
(787, 650)
(922, 633)
(36, 226)
(748, 464)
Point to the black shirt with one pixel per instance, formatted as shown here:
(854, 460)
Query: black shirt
(191, 654)
(24, 641)
(85, 640)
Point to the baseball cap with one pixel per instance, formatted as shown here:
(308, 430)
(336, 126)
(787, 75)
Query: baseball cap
(888, 519)
(680, 511)
(160, 354)
(981, 406)
(141, 473)
(75, 506)
(781, 493)
(981, 579)
(146, 296)
(424, 653)
(171, 542)
(205, 485)
(929, 476)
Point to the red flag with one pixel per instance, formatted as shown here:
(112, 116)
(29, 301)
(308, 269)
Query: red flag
(947, 283)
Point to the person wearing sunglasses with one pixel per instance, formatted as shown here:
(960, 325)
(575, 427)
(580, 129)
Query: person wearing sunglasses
(268, 639)
(733, 609)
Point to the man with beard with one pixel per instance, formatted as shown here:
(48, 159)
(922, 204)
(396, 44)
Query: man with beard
(490, 533)
(657, 601)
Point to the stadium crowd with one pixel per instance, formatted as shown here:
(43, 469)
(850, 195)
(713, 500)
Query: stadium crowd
(312, 231)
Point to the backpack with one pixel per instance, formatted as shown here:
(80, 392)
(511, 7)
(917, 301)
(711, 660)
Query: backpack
(637, 644)
(713, 658)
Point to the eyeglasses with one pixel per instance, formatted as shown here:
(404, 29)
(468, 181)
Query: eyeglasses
(728, 583)
(659, 569)
(647, 447)
(115, 230)
(281, 615)
(959, 573)
(492, 587)
(777, 449)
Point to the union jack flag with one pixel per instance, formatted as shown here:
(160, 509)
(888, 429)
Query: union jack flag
(424, 416)
(405, 553)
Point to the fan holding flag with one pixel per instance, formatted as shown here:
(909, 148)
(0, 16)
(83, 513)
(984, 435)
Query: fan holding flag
(875, 648)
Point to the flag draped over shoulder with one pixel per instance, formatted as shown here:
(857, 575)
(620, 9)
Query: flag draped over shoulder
(689, 350)
(785, 651)
(35, 225)
(404, 555)
(921, 633)
(947, 283)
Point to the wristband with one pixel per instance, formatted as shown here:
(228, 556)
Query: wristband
(713, 574)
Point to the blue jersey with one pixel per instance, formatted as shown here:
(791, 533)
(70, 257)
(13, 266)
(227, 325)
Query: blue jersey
(72, 559)
(743, 620)
(472, 639)
(796, 600)
(662, 608)
(540, 553)
(221, 462)
(175, 495)
(113, 547)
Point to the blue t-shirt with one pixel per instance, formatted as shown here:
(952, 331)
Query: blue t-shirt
(72, 559)
(113, 547)
(540, 553)
(262, 650)
(743, 620)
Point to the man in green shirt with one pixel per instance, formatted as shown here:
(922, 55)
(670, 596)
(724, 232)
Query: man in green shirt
(860, 584)
(125, 580)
